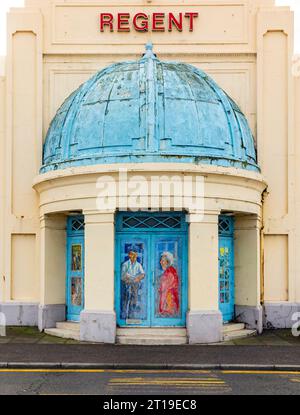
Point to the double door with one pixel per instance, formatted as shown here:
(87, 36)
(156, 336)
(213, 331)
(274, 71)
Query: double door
(151, 279)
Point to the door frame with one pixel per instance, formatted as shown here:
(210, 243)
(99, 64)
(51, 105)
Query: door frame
(74, 237)
(148, 234)
(226, 233)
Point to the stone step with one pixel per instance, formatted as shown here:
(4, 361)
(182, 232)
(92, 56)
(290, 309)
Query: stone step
(152, 341)
(151, 335)
(151, 332)
(68, 325)
(238, 334)
(65, 334)
(230, 327)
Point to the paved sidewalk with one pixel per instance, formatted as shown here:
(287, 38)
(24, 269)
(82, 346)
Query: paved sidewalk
(28, 348)
(31, 335)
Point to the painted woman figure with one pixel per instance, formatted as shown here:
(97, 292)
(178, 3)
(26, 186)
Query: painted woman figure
(168, 287)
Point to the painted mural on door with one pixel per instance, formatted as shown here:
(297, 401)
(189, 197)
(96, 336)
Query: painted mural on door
(133, 285)
(151, 270)
(226, 268)
(75, 267)
(168, 279)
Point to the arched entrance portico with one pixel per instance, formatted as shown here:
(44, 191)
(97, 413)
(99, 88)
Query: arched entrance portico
(62, 194)
(151, 134)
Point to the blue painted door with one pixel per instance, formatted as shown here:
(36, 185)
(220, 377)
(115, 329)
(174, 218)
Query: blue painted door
(132, 285)
(151, 269)
(75, 267)
(226, 268)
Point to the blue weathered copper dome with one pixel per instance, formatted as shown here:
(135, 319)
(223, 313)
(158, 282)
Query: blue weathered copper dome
(149, 111)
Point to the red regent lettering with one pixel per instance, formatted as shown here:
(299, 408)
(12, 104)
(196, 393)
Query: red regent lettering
(123, 19)
(175, 22)
(142, 22)
(191, 17)
(106, 19)
(157, 22)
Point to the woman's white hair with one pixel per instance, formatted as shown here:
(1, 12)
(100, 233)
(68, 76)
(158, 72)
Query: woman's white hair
(169, 257)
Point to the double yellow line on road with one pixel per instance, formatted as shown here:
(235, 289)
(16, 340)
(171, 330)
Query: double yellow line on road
(203, 382)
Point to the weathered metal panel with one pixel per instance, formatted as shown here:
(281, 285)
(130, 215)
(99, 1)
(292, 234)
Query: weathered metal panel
(149, 111)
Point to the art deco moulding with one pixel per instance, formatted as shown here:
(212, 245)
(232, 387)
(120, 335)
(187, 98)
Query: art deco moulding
(70, 25)
(212, 26)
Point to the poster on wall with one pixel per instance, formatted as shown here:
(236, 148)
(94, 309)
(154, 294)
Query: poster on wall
(76, 291)
(76, 258)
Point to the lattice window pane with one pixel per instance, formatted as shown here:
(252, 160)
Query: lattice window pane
(147, 222)
(225, 225)
(130, 222)
(77, 224)
(173, 222)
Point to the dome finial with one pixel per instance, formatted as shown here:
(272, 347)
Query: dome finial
(149, 51)
(149, 46)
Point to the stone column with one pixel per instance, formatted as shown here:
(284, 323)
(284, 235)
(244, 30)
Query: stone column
(52, 271)
(21, 149)
(248, 271)
(2, 183)
(276, 156)
(204, 320)
(98, 319)
(22, 156)
(296, 71)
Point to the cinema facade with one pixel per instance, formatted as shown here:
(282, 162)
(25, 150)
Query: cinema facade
(150, 182)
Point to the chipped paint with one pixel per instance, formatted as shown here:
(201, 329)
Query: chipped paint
(149, 111)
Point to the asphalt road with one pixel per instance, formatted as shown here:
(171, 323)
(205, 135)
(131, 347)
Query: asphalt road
(141, 382)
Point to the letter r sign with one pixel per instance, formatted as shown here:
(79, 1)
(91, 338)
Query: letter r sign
(106, 19)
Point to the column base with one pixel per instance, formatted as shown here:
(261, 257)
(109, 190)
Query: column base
(204, 326)
(279, 315)
(252, 316)
(50, 314)
(98, 326)
(20, 313)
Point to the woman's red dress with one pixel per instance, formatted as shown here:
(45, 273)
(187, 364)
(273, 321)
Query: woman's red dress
(168, 292)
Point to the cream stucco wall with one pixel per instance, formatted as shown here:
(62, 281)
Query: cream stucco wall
(53, 259)
(246, 46)
(2, 181)
(247, 260)
(2, 65)
(276, 151)
(296, 73)
(22, 156)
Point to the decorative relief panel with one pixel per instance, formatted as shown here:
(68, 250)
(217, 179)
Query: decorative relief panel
(78, 24)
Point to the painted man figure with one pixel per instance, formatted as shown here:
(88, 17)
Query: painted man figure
(132, 275)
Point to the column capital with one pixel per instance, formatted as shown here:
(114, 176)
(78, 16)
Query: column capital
(203, 217)
(248, 222)
(55, 221)
(96, 216)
